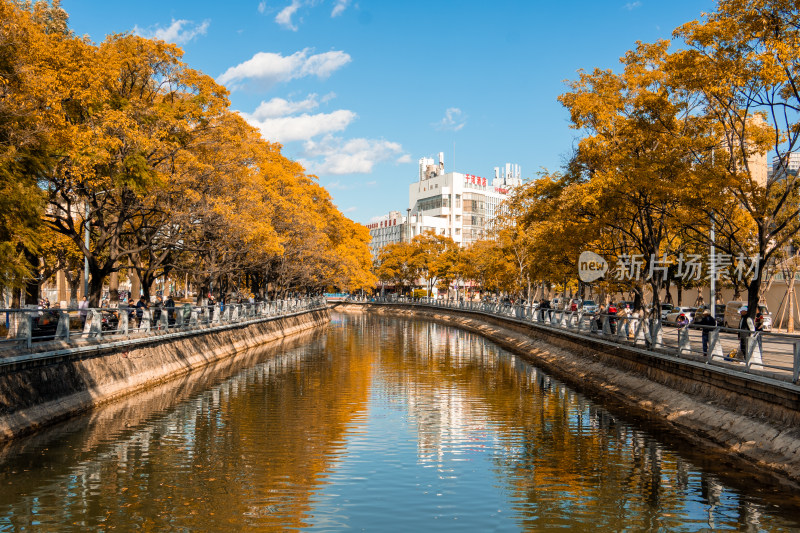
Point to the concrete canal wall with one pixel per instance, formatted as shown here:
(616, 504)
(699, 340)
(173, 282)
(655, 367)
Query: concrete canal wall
(735, 417)
(43, 390)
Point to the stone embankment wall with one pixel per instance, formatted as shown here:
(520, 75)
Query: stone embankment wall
(733, 416)
(41, 392)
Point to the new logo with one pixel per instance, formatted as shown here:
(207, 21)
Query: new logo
(591, 267)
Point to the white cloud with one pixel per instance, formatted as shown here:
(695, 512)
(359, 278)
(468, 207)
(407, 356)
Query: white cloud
(302, 127)
(278, 107)
(270, 68)
(405, 158)
(262, 6)
(350, 210)
(339, 8)
(179, 32)
(284, 18)
(454, 119)
(630, 6)
(333, 155)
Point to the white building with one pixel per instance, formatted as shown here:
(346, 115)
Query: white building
(466, 203)
(791, 165)
(393, 228)
(459, 206)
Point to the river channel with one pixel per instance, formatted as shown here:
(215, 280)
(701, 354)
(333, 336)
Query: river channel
(380, 424)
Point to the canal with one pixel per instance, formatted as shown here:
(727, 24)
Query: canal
(381, 424)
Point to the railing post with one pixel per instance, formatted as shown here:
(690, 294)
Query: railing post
(657, 335)
(639, 337)
(26, 329)
(715, 348)
(122, 322)
(62, 331)
(753, 357)
(144, 325)
(796, 365)
(684, 347)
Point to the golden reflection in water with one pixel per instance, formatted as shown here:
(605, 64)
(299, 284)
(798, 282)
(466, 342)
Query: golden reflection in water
(265, 442)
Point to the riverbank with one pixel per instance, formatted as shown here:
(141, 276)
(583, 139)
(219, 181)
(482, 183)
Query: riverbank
(736, 418)
(43, 392)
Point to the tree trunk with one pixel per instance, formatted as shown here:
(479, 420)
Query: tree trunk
(113, 289)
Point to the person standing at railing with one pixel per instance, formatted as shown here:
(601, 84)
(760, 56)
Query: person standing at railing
(83, 310)
(624, 316)
(169, 308)
(707, 322)
(612, 318)
(746, 326)
(141, 305)
(157, 310)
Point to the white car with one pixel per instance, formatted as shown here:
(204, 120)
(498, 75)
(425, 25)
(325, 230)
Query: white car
(589, 307)
(672, 316)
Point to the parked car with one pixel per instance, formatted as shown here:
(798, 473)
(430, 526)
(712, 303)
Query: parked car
(589, 307)
(665, 309)
(672, 316)
(732, 317)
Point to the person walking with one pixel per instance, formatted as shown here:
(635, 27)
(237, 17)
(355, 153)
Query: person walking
(707, 322)
(746, 326)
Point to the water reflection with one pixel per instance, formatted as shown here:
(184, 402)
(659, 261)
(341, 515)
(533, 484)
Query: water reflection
(376, 423)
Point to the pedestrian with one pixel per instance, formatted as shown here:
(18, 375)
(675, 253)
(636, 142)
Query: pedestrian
(612, 318)
(141, 305)
(682, 321)
(746, 326)
(169, 308)
(707, 322)
(597, 319)
(157, 310)
(83, 309)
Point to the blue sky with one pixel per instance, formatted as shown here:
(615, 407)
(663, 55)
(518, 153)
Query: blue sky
(359, 90)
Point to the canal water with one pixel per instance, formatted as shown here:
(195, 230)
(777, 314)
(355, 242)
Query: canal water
(377, 424)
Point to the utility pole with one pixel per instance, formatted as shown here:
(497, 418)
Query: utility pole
(86, 257)
(713, 291)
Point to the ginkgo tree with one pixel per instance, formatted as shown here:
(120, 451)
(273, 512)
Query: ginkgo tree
(743, 61)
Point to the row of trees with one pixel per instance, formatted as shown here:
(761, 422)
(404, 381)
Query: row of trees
(672, 146)
(125, 141)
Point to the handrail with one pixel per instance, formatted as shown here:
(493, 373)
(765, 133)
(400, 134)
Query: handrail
(75, 325)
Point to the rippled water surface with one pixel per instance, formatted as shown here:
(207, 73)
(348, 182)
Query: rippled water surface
(380, 424)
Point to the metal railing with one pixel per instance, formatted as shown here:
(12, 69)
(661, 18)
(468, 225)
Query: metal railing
(25, 329)
(763, 353)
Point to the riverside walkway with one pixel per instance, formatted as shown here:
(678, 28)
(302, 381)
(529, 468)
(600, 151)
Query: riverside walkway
(43, 333)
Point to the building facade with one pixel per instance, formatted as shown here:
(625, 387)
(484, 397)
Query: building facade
(456, 205)
(467, 204)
